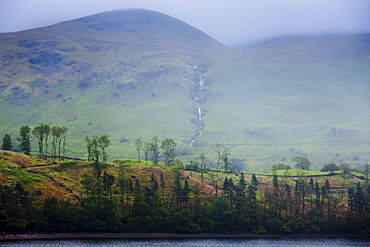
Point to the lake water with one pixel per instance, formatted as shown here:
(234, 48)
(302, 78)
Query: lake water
(191, 242)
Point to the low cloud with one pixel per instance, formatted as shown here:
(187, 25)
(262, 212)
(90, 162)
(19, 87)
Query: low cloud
(231, 22)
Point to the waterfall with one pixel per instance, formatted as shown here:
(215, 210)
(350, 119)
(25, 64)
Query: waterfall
(201, 84)
(199, 125)
(191, 142)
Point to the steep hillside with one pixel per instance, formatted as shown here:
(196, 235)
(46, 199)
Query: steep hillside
(130, 74)
(63, 178)
(120, 46)
(306, 98)
(137, 73)
(42, 196)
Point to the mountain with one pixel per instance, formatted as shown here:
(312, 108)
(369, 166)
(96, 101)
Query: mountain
(127, 73)
(138, 73)
(307, 98)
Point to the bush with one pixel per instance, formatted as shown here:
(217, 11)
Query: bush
(65, 165)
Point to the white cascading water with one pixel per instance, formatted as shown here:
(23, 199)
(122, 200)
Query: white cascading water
(201, 84)
(191, 142)
(201, 87)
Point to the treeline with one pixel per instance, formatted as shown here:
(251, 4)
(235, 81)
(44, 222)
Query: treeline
(168, 202)
(41, 133)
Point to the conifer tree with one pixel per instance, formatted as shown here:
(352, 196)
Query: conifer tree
(177, 189)
(7, 143)
(185, 193)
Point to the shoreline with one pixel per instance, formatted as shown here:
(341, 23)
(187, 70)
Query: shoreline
(170, 235)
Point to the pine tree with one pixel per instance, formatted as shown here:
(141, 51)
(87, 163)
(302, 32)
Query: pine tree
(185, 193)
(177, 189)
(162, 184)
(254, 181)
(359, 200)
(7, 143)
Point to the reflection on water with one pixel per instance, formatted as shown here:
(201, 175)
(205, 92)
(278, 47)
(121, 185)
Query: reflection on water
(192, 242)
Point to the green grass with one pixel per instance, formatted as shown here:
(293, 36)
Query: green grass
(21, 176)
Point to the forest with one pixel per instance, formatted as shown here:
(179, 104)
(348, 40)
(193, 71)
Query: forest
(176, 197)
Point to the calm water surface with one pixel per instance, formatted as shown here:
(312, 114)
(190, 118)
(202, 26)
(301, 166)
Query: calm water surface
(191, 242)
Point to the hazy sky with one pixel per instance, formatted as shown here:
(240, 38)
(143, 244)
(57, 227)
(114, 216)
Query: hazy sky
(229, 21)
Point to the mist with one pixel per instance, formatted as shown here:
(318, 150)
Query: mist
(231, 22)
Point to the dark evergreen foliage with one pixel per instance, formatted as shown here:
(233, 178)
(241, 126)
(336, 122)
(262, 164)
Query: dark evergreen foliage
(7, 143)
(128, 204)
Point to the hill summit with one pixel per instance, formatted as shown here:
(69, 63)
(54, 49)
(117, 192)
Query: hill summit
(118, 45)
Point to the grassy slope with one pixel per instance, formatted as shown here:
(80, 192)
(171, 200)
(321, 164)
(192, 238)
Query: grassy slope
(64, 181)
(120, 79)
(277, 102)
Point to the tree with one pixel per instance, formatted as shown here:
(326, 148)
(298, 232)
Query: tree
(162, 185)
(367, 172)
(88, 146)
(108, 181)
(221, 151)
(345, 168)
(24, 139)
(203, 162)
(63, 135)
(59, 133)
(154, 148)
(56, 135)
(254, 180)
(7, 142)
(177, 189)
(330, 168)
(46, 135)
(226, 161)
(146, 149)
(301, 162)
(169, 146)
(103, 144)
(359, 200)
(153, 183)
(185, 193)
(40, 132)
(138, 146)
(280, 167)
(95, 150)
(64, 142)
